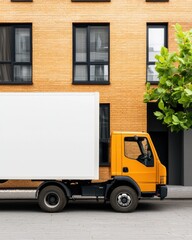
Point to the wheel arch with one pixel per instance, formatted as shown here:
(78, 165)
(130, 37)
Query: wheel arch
(61, 185)
(122, 181)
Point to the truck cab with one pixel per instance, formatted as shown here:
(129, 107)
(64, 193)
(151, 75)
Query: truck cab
(133, 156)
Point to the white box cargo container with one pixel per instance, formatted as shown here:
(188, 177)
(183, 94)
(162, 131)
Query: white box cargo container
(49, 136)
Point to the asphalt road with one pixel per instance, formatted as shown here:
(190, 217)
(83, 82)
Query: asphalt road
(153, 219)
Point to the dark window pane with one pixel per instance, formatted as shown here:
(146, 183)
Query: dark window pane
(22, 73)
(81, 44)
(99, 44)
(81, 73)
(104, 121)
(5, 43)
(104, 152)
(22, 45)
(99, 73)
(104, 133)
(5, 73)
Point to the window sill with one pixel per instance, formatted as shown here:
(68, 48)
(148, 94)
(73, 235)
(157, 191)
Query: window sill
(16, 83)
(153, 82)
(104, 164)
(90, 83)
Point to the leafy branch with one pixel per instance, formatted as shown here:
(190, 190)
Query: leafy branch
(174, 91)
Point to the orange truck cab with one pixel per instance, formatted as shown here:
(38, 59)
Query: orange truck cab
(134, 158)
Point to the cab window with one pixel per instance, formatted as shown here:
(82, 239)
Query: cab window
(138, 148)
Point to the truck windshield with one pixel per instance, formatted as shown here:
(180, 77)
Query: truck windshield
(138, 148)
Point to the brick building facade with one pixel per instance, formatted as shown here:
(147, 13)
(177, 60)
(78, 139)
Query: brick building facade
(77, 46)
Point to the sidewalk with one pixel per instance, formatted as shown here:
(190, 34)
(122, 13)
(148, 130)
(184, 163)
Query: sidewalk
(179, 192)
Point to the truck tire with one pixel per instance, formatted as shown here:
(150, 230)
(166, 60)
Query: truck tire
(52, 199)
(124, 199)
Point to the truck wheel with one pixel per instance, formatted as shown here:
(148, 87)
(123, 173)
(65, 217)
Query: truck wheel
(52, 199)
(124, 199)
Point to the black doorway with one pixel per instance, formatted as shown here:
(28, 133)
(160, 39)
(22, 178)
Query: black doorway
(160, 141)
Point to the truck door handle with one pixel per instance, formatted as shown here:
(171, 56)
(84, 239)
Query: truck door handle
(125, 169)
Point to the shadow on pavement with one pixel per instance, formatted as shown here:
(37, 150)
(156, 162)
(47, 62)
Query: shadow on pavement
(17, 205)
(143, 206)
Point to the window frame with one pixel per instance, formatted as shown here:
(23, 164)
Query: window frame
(88, 63)
(13, 63)
(155, 25)
(104, 140)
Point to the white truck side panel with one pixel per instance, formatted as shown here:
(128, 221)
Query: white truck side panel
(49, 136)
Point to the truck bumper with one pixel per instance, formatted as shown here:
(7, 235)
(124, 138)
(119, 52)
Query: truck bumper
(162, 191)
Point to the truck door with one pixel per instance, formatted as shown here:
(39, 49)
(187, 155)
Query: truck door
(138, 162)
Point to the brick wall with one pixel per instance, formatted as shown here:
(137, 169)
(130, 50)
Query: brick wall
(52, 49)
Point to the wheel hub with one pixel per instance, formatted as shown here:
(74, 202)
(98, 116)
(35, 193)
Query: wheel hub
(51, 199)
(123, 199)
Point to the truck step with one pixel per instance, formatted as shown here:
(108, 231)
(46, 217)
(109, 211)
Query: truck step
(79, 197)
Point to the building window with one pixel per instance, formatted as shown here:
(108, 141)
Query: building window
(91, 54)
(156, 38)
(104, 134)
(15, 54)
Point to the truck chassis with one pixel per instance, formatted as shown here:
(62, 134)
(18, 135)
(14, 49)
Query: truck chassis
(52, 196)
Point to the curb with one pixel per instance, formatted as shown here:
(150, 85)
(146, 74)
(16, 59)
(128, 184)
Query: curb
(179, 192)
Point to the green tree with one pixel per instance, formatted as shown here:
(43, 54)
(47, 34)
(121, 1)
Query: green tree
(174, 91)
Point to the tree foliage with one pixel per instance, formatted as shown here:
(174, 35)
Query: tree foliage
(174, 91)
